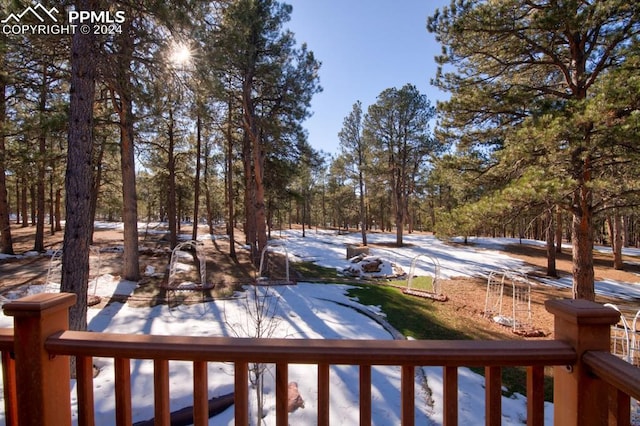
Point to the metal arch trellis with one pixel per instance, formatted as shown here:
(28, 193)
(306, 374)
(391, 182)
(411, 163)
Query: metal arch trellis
(494, 293)
(194, 250)
(267, 265)
(625, 344)
(189, 247)
(620, 336)
(625, 339)
(54, 273)
(521, 301)
(95, 263)
(435, 292)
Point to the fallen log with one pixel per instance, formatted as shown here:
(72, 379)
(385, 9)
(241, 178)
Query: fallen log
(184, 416)
(425, 294)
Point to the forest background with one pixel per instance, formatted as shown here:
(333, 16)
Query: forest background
(194, 111)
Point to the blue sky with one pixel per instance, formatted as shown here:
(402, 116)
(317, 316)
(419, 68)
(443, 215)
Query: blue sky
(365, 46)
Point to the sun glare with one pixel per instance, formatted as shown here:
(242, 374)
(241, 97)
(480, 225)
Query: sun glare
(180, 54)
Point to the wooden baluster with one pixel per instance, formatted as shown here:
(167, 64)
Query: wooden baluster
(282, 394)
(123, 391)
(323, 394)
(84, 390)
(241, 393)
(619, 408)
(200, 394)
(161, 401)
(365, 395)
(450, 415)
(535, 396)
(493, 396)
(408, 395)
(10, 395)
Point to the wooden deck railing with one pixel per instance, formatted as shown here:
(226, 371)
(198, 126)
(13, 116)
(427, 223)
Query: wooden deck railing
(590, 385)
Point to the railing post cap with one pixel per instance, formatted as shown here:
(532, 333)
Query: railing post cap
(39, 304)
(580, 311)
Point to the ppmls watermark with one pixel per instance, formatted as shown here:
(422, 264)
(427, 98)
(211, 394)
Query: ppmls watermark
(39, 20)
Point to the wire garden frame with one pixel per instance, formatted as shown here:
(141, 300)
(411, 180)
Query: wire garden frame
(271, 265)
(519, 318)
(188, 269)
(435, 291)
(54, 274)
(625, 344)
(625, 339)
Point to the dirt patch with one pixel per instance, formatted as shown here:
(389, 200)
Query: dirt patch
(603, 263)
(467, 295)
(228, 274)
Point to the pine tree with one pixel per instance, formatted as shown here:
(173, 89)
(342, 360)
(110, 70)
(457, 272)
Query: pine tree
(6, 241)
(75, 262)
(398, 126)
(535, 65)
(273, 81)
(353, 145)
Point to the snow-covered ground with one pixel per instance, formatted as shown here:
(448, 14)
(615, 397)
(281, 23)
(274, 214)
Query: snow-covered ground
(313, 311)
(478, 259)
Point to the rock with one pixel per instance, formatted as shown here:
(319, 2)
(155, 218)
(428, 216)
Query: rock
(295, 401)
(353, 250)
(371, 265)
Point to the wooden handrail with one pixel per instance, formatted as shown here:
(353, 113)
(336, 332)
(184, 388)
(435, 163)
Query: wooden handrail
(6, 339)
(9, 377)
(314, 351)
(615, 371)
(584, 375)
(407, 354)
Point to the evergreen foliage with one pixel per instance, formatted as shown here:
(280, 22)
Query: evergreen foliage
(526, 80)
(543, 117)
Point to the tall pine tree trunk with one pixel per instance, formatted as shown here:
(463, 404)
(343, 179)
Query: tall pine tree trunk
(251, 142)
(96, 179)
(57, 213)
(24, 205)
(259, 206)
(171, 168)
(614, 222)
(6, 242)
(249, 191)
(123, 105)
(363, 212)
(207, 189)
(558, 229)
(550, 234)
(400, 210)
(196, 185)
(582, 243)
(75, 261)
(582, 239)
(33, 204)
(130, 264)
(229, 181)
(399, 224)
(52, 230)
(41, 172)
